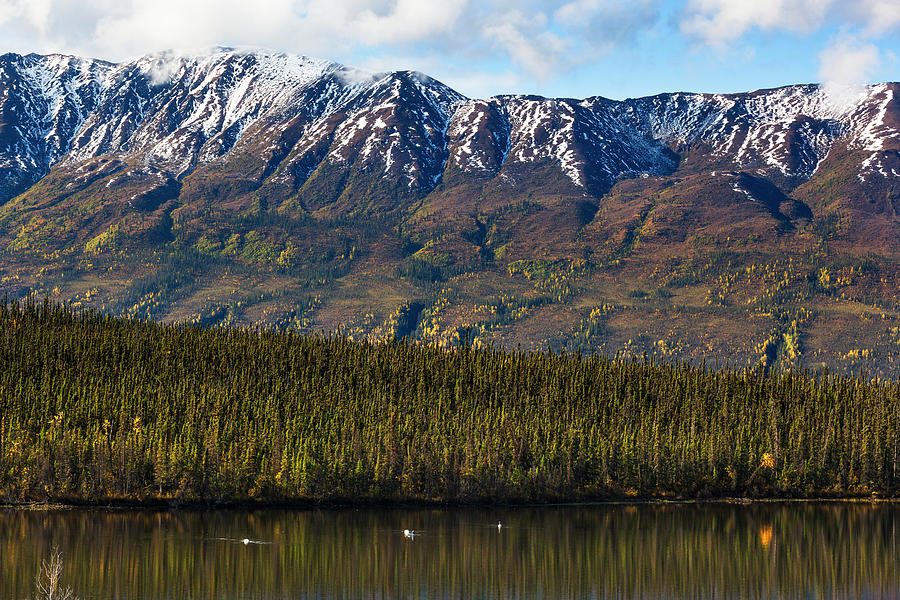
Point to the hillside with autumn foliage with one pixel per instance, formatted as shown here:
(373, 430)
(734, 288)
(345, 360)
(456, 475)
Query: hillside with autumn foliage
(246, 188)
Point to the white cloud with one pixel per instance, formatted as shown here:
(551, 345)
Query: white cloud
(162, 24)
(878, 16)
(409, 21)
(528, 43)
(850, 60)
(845, 66)
(535, 40)
(608, 21)
(717, 22)
(548, 40)
(33, 13)
(118, 29)
(543, 38)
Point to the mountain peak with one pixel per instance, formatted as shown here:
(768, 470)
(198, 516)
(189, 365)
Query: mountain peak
(179, 110)
(390, 203)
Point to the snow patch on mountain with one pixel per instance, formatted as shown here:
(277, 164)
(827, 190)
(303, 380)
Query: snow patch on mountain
(44, 100)
(178, 111)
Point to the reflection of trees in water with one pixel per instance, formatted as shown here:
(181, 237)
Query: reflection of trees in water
(765, 535)
(611, 551)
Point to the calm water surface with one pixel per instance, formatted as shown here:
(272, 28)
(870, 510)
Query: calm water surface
(827, 550)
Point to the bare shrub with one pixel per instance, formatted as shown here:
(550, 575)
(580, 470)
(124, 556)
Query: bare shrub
(48, 579)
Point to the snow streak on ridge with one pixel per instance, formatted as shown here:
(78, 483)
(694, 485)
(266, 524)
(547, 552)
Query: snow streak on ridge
(176, 112)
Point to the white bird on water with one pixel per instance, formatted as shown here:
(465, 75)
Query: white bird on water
(499, 525)
(244, 541)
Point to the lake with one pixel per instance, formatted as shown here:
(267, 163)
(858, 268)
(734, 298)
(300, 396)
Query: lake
(615, 551)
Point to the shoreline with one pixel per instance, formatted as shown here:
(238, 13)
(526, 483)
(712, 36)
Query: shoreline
(162, 504)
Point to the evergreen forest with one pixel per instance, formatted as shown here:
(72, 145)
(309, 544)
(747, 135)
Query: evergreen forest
(96, 408)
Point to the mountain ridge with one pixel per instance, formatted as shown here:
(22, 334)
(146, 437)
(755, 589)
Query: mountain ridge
(390, 204)
(222, 93)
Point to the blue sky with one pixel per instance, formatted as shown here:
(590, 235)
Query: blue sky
(573, 48)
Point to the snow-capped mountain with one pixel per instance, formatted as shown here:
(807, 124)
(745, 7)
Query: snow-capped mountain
(290, 123)
(789, 130)
(44, 101)
(259, 188)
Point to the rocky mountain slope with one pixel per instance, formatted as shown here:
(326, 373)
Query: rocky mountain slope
(256, 187)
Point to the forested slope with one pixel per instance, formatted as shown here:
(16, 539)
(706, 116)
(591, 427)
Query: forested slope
(249, 188)
(95, 408)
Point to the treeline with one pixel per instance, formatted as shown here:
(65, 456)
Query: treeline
(94, 407)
